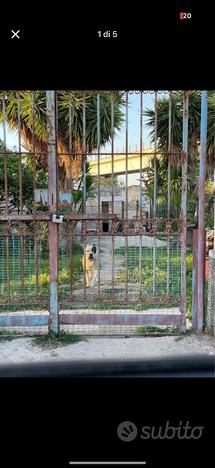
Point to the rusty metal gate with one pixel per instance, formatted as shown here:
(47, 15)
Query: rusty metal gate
(80, 247)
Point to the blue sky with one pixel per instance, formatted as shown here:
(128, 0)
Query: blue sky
(134, 124)
(133, 127)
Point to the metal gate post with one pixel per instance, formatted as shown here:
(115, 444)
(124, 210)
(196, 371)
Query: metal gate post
(53, 200)
(194, 279)
(201, 221)
(184, 210)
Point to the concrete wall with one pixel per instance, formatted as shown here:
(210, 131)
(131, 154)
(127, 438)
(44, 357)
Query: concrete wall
(211, 294)
(119, 196)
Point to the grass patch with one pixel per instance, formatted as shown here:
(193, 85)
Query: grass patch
(154, 329)
(103, 306)
(66, 268)
(115, 290)
(19, 307)
(8, 335)
(50, 340)
(161, 269)
(139, 307)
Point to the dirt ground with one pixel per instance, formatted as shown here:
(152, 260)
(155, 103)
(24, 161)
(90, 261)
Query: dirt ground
(22, 350)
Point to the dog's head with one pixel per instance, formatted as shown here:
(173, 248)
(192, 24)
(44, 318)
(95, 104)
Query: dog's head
(89, 252)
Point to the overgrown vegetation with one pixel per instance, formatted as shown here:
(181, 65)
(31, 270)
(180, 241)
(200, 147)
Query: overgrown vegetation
(66, 270)
(34, 127)
(154, 329)
(13, 180)
(193, 156)
(133, 276)
(51, 340)
(133, 272)
(8, 335)
(165, 330)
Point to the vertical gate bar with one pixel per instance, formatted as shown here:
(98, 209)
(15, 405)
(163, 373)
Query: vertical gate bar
(6, 194)
(84, 153)
(53, 202)
(5, 155)
(137, 208)
(20, 195)
(22, 256)
(84, 186)
(112, 186)
(84, 235)
(8, 265)
(71, 266)
(201, 220)
(70, 142)
(214, 211)
(168, 185)
(141, 169)
(126, 200)
(34, 188)
(194, 278)
(33, 146)
(36, 257)
(184, 208)
(155, 193)
(70, 257)
(99, 188)
(20, 154)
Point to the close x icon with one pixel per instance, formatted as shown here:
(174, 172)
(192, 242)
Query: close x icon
(15, 34)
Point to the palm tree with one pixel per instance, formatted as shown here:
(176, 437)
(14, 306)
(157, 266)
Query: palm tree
(193, 152)
(177, 125)
(162, 186)
(70, 116)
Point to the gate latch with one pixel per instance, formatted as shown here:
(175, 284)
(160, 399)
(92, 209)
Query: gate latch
(56, 218)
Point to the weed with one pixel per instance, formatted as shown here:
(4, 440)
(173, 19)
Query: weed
(154, 329)
(8, 335)
(50, 340)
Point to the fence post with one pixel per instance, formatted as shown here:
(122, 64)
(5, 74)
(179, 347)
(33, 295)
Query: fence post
(201, 221)
(211, 294)
(194, 279)
(184, 210)
(52, 201)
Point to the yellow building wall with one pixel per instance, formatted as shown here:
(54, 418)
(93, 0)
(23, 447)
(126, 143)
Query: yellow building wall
(119, 163)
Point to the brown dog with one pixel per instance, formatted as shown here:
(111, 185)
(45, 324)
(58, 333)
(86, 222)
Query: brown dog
(89, 266)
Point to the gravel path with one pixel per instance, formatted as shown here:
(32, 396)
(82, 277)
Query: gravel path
(22, 349)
